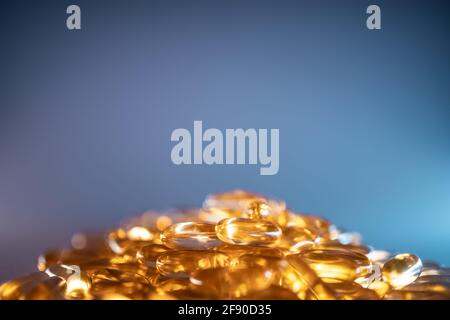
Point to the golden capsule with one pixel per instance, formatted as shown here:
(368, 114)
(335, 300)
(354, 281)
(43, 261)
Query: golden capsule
(148, 254)
(115, 281)
(235, 251)
(303, 281)
(78, 282)
(337, 265)
(248, 232)
(257, 210)
(123, 242)
(36, 285)
(402, 270)
(296, 239)
(184, 262)
(348, 290)
(190, 236)
(272, 293)
(225, 283)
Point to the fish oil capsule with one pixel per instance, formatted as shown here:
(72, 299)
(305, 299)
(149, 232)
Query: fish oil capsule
(335, 245)
(337, 265)
(303, 281)
(257, 210)
(348, 290)
(78, 282)
(184, 262)
(225, 283)
(190, 236)
(295, 239)
(148, 254)
(235, 251)
(402, 270)
(272, 293)
(115, 281)
(248, 232)
(123, 242)
(16, 288)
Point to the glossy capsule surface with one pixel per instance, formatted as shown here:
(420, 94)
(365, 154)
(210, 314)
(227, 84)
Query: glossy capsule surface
(184, 262)
(242, 231)
(340, 265)
(402, 270)
(190, 236)
(226, 283)
(149, 254)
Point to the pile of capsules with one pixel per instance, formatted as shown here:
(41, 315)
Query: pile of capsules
(239, 245)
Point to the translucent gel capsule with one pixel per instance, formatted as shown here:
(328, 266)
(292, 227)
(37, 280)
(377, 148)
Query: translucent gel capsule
(348, 290)
(78, 282)
(303, 281)
(312, 222)
(334, 245)
(295, 239)
(272, 293)
(190, 236)
(337, 265)
(34, 286)
(248, 232)
(184, 262)
(148, 254)
(402, 270)
(115, 281)
(235, 251)
(129, 242)
(257, 210)
(227, 283)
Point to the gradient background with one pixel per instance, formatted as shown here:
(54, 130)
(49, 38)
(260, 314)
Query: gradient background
(86, 116)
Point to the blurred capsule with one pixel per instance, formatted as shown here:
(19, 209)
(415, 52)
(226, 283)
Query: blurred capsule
(148, 254)
(348, 290)
(248, 232)
(272, 293)
(36, 285)
(77, 281)
(129, 242)
(303, 281)
(115, 281)
(414, 295)
(402, 270)
(379, 287)
(337, 265)
(235, 251)
(335, 245)
(225, 283)
(190, 236)
(257, 210)
(184, 262)
(296, 239)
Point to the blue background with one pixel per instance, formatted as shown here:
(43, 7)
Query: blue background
(86, 116)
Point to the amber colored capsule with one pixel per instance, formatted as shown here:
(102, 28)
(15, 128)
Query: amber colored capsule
(257, 210)
(235, 251)
(337, 265)
(184, 262)
(311, 222)
(296, 239)
(272, 293)
(335, 245)
(34, 286)
(225, 283)
(402, 270)
(415, 295)
(115, 281)
(148, 254)
(78, 282)
(303, 281)
(248, 232)
(379, 287)
(130, 241)
(190, 236)
(348, 290)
